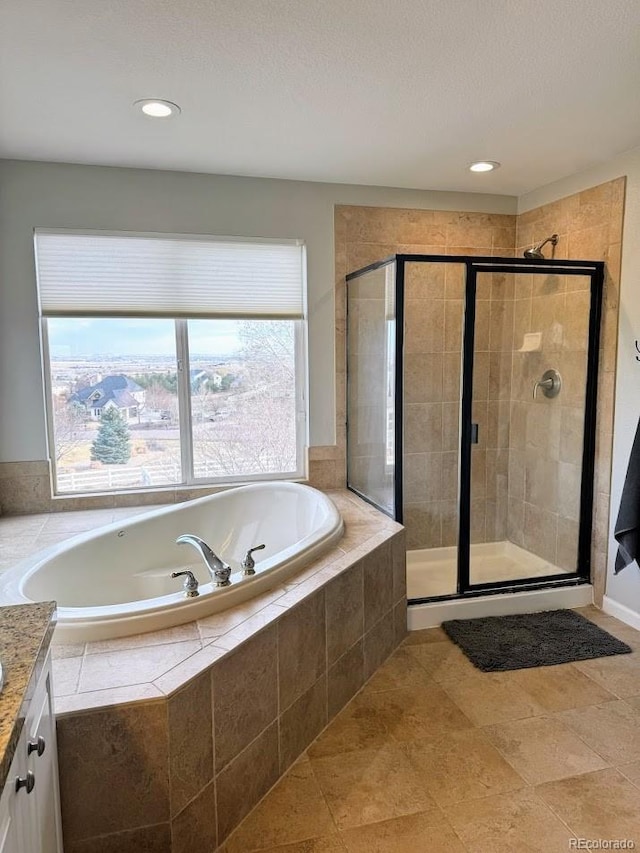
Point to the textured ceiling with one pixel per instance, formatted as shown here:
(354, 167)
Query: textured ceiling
(403, 93)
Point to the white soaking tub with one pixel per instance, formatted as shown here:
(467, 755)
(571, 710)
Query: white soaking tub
(116, 581)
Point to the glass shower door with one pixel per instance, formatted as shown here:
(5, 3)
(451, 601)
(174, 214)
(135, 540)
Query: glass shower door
(371, 378)
(433, 323)
(530, 359)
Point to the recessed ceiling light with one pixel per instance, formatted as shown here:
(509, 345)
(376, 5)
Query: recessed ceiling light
(157, 109)
(484, 166)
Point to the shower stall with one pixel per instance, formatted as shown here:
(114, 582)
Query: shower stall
(471, 410)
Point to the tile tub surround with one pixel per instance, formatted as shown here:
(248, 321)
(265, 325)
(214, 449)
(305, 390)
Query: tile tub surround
(203, 719)
(25, 636)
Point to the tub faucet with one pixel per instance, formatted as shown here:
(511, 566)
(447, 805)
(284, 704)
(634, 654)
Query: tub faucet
(190, 584)
(218, 569)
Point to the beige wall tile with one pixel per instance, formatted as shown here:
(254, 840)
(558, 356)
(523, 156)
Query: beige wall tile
(302, 721)
(301, 648)
(246, 780)
(423, 477)
(345, 612)
(245, 695)
(422, 522)
(345, 678)
(379, 642)
(126, 745)
(195, 827)
(424, 281)
(423, 427)
(378, 585)
(190, 758)
(424, 325)
(399, 562)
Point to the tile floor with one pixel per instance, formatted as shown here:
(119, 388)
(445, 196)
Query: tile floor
(433, 755)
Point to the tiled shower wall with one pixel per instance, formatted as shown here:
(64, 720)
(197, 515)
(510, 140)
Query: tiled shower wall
(589, 225)
(545, 448)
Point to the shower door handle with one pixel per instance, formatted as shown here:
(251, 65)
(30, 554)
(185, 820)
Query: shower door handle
(475, 433)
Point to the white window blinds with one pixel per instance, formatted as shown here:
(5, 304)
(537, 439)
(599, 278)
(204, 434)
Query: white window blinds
(133, 275)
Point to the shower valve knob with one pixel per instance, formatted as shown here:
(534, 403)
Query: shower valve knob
(551, 383)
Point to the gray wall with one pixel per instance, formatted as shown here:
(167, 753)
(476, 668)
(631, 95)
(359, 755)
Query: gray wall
(69, 196)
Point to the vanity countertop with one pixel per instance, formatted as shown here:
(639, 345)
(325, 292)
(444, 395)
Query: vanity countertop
(25, 636)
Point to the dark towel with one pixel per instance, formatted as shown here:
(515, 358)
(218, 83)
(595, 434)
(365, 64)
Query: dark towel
(627, 529)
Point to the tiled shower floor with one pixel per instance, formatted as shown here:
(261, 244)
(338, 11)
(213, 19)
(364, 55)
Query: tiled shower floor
(433, 571)
(433, 756)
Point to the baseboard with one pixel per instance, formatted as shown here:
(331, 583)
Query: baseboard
(431, 615)
(621, 612)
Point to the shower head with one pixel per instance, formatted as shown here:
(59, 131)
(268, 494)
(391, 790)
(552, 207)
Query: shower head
(535, 253)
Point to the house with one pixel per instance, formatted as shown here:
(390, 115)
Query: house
(112, 392)
(198, 377)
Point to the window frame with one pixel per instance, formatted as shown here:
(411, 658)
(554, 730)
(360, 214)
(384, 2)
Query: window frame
(185, 414)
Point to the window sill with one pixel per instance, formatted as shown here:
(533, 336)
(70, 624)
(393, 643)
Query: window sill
(148, 497)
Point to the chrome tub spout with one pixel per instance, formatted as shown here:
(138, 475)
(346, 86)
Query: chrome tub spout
(219, 570)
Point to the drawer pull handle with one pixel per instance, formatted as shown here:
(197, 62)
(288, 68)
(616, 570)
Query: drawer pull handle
(38, 746)
(28, 783)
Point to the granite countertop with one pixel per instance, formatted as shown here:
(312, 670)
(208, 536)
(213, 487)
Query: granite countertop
(25, 636)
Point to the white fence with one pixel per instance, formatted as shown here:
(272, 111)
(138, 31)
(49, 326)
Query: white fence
(159, 474)
(116, 477)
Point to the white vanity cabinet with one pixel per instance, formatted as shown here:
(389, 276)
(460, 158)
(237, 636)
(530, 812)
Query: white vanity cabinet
(30, 803)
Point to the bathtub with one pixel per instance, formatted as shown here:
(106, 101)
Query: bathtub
(116, 581)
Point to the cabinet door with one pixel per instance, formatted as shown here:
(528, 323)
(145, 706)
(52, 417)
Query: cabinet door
(9, 842)
(42, 760)
(15, 824)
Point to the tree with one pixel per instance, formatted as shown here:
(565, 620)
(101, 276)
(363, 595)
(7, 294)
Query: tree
(70, 423)
(258, 434)
(111, 444)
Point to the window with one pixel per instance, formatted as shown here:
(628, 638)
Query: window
(171, 360)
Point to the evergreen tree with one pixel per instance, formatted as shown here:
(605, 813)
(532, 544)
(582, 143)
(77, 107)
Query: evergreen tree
(111, 444)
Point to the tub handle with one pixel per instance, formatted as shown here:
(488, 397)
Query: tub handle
(190, 583)
(248, 564)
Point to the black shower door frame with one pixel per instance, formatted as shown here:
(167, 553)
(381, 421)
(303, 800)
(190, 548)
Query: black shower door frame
(474, 265)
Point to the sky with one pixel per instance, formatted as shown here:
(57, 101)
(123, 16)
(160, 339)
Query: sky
(96, 336)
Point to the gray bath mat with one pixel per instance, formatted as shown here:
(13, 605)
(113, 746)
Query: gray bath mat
(498, 643)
